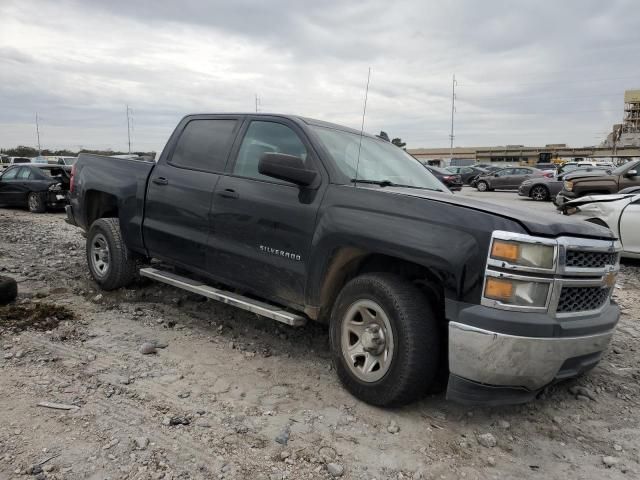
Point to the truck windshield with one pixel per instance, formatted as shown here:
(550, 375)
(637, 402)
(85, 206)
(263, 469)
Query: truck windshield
(380, 161)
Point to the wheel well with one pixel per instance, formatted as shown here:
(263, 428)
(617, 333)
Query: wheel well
(100, 205)
(350, 262)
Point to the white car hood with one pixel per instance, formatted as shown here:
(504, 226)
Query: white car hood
(629, 197)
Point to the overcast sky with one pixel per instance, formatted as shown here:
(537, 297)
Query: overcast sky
(529, 72)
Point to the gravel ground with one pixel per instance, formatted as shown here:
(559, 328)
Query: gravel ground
(229, 395)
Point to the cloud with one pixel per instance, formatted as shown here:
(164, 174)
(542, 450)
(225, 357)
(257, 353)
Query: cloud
(528, 72)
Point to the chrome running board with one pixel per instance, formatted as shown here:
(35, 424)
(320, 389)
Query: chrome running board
(195, 286)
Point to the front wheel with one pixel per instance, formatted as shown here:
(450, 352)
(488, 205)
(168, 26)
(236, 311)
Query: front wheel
(111, 263)
(482, 186)
(384, 340)
(36, 203)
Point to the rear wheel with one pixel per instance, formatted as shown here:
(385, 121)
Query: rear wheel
(36, 203)
(539, 193)
(482, 186)
(384, 339)
(111, 263)
(8, 290)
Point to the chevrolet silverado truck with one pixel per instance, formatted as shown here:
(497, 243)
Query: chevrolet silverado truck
(577, 186)
(297, 219)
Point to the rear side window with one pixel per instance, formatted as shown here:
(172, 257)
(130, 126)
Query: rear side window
(204, 145)
(25, 174)
(10, 174)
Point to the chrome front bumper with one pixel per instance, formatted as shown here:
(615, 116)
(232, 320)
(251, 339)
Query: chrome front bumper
(499, 360)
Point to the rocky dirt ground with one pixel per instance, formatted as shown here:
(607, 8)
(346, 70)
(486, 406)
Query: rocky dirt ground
(228, 395)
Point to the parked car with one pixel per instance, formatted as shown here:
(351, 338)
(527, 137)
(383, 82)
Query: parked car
(66, 160)
(619, 212)
(452, 181)
(582, 185)
(311, 220)
(20, 160)
(5, 161)
(467, 174)
(489, 167)
(547, 188)
(34, 186)
(506, 179)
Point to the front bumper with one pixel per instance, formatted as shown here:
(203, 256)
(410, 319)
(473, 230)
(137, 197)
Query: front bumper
(491, 368)
(523, 190)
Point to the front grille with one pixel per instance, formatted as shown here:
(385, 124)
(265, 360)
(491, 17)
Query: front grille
(582, 259)
(582, 299)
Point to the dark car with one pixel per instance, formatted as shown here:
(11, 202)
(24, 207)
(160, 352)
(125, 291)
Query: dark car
(452, 181)
(543, 189)
(37, 187)
(506, 179)
(467, 174)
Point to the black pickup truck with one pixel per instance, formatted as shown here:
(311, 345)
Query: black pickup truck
(298, 219)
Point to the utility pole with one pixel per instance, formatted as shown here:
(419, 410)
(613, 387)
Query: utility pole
(129, 127)
(257, 102)
(453, 109)
(38, 135)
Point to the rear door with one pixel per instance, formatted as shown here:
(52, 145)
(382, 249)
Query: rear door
(23, 185)
(262, 227)
(630, 227)
(9, 186)
(180, 187)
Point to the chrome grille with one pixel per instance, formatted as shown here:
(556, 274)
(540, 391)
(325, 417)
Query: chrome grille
(582, 299)
(586, 259)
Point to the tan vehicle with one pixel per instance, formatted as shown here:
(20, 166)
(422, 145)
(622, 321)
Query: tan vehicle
(624, 176)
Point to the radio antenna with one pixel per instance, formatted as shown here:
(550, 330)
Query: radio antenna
(364, 112)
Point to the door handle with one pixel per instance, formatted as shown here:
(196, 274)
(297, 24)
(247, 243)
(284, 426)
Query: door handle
(229, 193)
(160, 181)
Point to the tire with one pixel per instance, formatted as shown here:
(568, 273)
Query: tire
(482, 186)
(111, 263)
(8, 290)
(36, 202)
(411, 340)
(539, 193)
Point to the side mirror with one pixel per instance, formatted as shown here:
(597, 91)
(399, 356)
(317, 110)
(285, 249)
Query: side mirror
(286, 167)
(632, 173)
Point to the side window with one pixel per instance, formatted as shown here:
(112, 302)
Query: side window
(10, 174)
(25, 174)
(504, 173)
(204, 145)
(466, 170)
(266, 137)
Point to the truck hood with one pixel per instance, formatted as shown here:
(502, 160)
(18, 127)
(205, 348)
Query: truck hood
(589, 175)
(546, 225)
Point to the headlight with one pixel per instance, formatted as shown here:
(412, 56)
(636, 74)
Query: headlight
(517, 292)
(568, 186)
(523, 253)
(56, 187)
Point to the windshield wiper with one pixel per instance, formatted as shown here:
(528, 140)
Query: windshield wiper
(389, 183)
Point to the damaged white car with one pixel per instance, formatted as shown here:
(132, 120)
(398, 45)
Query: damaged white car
(620, 213)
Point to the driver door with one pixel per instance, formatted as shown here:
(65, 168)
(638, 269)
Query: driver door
(261, 227)
(501, 178)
